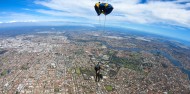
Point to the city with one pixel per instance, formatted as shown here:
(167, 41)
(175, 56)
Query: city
(63, 63)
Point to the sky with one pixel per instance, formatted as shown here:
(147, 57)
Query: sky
(164, 17)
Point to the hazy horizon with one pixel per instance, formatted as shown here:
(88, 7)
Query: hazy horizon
(164, 17)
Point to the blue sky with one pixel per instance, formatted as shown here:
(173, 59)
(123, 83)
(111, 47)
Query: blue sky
(164, 17)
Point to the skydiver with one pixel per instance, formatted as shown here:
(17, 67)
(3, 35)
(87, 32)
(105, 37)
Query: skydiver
(98, 75)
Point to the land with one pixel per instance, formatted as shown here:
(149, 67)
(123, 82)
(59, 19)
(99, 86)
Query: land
(63, 62)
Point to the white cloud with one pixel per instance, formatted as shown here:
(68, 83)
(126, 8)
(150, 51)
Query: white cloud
(155, 11)
(72, 6)
(124, 10)
(27, 9)
(14, 21)
(22, 17)
(12, 17)
(51, 12)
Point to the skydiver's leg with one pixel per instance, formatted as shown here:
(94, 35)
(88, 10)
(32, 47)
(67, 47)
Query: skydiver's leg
(96, 77)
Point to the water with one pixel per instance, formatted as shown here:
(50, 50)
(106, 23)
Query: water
(165, 54)
(2, 52)
(173, 61)
(168, 56)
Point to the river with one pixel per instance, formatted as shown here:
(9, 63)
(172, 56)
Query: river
(163, 53)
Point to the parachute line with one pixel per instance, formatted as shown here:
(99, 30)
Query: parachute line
(104, 23)
(100, 21)
(103, 8)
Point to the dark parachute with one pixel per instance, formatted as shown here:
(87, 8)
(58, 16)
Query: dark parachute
(104, 8)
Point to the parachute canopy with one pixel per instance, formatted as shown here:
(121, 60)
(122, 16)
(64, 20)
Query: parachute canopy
(104, 8)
